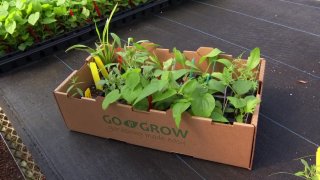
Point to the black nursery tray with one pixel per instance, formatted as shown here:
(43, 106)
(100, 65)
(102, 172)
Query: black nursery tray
(20, 58)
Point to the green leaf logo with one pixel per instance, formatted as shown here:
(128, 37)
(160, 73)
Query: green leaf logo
(130, 124)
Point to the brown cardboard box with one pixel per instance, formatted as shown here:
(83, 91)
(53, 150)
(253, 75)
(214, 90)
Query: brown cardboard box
(198, 137)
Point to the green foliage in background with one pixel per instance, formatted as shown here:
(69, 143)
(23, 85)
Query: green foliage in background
(26, 22)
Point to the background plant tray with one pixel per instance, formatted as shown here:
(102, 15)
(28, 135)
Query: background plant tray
(20, 58)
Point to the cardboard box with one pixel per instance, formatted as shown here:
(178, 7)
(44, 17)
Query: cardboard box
(198, 137)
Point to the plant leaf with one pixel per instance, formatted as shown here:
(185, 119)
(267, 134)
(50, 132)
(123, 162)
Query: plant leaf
(178, 109)
(164, 95)
(33, 18)
(60, 2)
(165, 104)
(142, 105)
(141, 60)
(3, 14)
(116, 39)
(36, 5)
(217, 75)
(179, 56)
(203, 105)
(130, 94)
(148, 90)
(299, 174)
(82, 48)
(4, 6)
(48, 20)
(242, 86)
(111, 97)
(85, 11)
(190, 64)
(132, 79)
(69, 88)
(164, 81)
(189, 87)
(225, 62)
(215, 52)
(239, 118)
(252, 103)
(20, 4)
(218, 117)
(10, 26)
(216, 85)
(157, 72)
(29, 8)
(305, 164)
(254, 59)
(179, 73)
(167, 64)
(139, 46)
(60, 11)
(79, 91)
(237, 102)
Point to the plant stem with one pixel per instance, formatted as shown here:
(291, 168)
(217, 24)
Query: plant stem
(225, 100)
(214, 66)
(208, 67)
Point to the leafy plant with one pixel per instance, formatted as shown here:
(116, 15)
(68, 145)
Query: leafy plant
(134, 75)
(238, 77)
(104, 51)
(310, 172)
(26, 22)
(74, 89)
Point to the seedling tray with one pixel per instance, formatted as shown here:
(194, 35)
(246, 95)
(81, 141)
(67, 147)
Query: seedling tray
(38, 51)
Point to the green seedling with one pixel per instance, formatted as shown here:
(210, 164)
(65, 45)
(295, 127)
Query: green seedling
(74, 89)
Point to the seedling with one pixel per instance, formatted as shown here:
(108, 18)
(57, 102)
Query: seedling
(73, 89)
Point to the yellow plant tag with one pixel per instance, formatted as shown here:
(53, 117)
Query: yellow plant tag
(87, 93)
(95, 75)
(318, 163)
(100, 64)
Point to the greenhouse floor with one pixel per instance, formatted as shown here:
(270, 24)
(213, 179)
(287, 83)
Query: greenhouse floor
(288, 33)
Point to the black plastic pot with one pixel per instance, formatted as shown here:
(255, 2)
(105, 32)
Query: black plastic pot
(61, 42)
